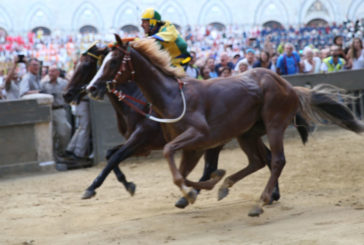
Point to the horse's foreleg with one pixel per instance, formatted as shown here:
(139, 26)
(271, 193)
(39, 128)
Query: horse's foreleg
(211, 159)
(188, 162)
(127, 150)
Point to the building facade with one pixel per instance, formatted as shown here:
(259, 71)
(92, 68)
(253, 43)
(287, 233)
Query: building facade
(73, 16)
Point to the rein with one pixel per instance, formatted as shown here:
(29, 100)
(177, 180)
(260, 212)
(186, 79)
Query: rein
(121, 96)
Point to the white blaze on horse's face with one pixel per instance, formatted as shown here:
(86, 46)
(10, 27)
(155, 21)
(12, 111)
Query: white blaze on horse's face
(100, 71)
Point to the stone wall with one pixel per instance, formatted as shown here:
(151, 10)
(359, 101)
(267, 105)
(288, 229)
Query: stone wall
(26, 134)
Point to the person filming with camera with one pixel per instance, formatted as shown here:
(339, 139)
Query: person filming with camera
(12, 80)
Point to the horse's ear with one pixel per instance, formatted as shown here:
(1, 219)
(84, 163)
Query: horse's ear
(118, 40)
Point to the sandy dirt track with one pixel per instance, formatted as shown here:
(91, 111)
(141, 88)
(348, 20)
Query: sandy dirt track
(322, 202)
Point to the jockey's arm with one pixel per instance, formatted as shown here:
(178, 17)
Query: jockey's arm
(165, 36)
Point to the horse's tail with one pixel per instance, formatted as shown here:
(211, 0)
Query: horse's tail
(302, 127)
(326, 103)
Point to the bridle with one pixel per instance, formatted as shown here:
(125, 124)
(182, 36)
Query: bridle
(126, 61)
(99, 59)
(120, 94)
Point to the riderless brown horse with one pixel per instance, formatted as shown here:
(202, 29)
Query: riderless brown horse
(212, 112)
(141, 135)
(86, 68)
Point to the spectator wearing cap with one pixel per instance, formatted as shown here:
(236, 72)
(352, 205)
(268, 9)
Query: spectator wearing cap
(289, 62)
(249, 60)
(236, 59)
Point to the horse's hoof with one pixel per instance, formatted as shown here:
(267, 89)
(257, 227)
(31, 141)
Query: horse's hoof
(131, 188)
(275, 196)
(256, 211)
(223, 192)
(191, 196)
(181, 203)
(88, 194)
(218, 174)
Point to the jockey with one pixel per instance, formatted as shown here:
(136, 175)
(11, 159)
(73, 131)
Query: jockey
(167, 35)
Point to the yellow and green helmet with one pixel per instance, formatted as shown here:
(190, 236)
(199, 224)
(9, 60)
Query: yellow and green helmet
(152, 15)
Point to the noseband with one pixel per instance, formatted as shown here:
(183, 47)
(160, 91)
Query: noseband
(121, 96)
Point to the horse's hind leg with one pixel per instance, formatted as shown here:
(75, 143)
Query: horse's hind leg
(112, 150)
(128, 149)
(276, 117)
(211, 159)
(129, 186)
(275, 138)
(256, 152)
(275, 194)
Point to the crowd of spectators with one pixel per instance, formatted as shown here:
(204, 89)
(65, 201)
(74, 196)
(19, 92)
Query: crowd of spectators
(256, 47)
(214, 52)
(305, 49)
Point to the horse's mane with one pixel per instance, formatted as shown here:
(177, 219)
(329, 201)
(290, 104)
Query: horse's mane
(149, 48)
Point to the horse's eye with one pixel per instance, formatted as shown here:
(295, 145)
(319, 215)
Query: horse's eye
(114, 62)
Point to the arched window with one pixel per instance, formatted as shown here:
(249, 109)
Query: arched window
(3, 35)
(43, 30)
(317, 22)
(130, 29)
(217, 25)
(88, 29)
(273, 25)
